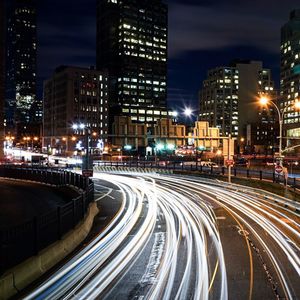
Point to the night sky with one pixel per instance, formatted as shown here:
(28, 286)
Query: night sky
(203, 34)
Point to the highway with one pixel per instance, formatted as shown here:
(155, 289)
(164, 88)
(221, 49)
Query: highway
(178, 237)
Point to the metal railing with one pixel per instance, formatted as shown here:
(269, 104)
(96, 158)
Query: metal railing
(20, 242)
(241, 172)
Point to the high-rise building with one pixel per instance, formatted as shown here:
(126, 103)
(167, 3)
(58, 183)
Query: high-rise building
(2, 73)
(132, 44)
(290, 73)
(229, 101)
(219, 100)
(75, 95)
(21, 63)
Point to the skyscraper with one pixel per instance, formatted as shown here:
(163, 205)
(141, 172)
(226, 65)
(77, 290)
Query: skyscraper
(132, 37)
(290, 72)
(2, 73)
(21, 63)
(229, 101)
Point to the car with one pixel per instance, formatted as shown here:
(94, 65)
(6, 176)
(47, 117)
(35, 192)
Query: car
(241, 162)
(208, 164)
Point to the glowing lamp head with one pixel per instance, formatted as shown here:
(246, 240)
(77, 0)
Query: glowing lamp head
(188, 112)
(264, 101)
(75, 126)
(160, 147)
(171, 147)
(297, 104)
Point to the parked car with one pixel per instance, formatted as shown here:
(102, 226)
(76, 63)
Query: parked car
(241, 162)
(208, 164)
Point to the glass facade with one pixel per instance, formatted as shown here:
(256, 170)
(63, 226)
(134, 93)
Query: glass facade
(219, 100)
(21, 62)
(290, 68)
(228, 101)
(132, 45)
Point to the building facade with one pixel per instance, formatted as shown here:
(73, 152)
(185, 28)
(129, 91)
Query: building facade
(132, 44)
(75, 96)
(168, 136)
(127, 133)
(290, 73)
(205, 136)
(229, 101)
(219, 100)
(21, 63)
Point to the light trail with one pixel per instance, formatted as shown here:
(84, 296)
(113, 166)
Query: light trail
(242, 204)
(192, 264)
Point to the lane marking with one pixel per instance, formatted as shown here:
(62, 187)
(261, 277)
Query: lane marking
(105, 195)
(149, 276)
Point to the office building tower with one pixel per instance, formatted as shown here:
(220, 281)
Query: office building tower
(21, 63)
(2, 73)
(132, 44)
(229, 101)
(75, 95)
(219, 100)
(290, 73)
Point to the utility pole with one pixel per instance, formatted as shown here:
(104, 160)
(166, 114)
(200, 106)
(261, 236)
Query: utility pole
(228, 158)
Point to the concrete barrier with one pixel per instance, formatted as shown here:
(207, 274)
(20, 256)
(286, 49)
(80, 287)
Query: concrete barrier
(123, 170)
(17, 278)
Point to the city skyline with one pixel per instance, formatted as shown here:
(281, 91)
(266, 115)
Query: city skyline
(196, 41)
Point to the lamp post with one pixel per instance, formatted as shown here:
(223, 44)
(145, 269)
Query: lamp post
(86, 163)
(219, 153)
(242, 140)
(9, 140)
(228, 158)
(265, 101)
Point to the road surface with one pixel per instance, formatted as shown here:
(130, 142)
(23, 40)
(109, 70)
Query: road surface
(178, 237)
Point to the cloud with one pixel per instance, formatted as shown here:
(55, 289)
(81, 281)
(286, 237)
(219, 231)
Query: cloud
(216, 25)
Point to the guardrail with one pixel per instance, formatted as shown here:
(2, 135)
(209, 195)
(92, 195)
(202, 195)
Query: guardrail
(27, 239)
(192, 166)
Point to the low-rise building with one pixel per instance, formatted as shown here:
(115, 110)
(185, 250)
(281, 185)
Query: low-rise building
(126, 133)
(164, 135)
(170, 133)
(205, 136)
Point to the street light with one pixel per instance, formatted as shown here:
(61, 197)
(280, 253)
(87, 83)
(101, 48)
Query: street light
(264, 101)
(171, 147)
(160, 147)
(188, 112)
(219, 153)
(87, 162)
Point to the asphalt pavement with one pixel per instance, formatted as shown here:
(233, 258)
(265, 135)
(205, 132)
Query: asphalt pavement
(180, 237)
